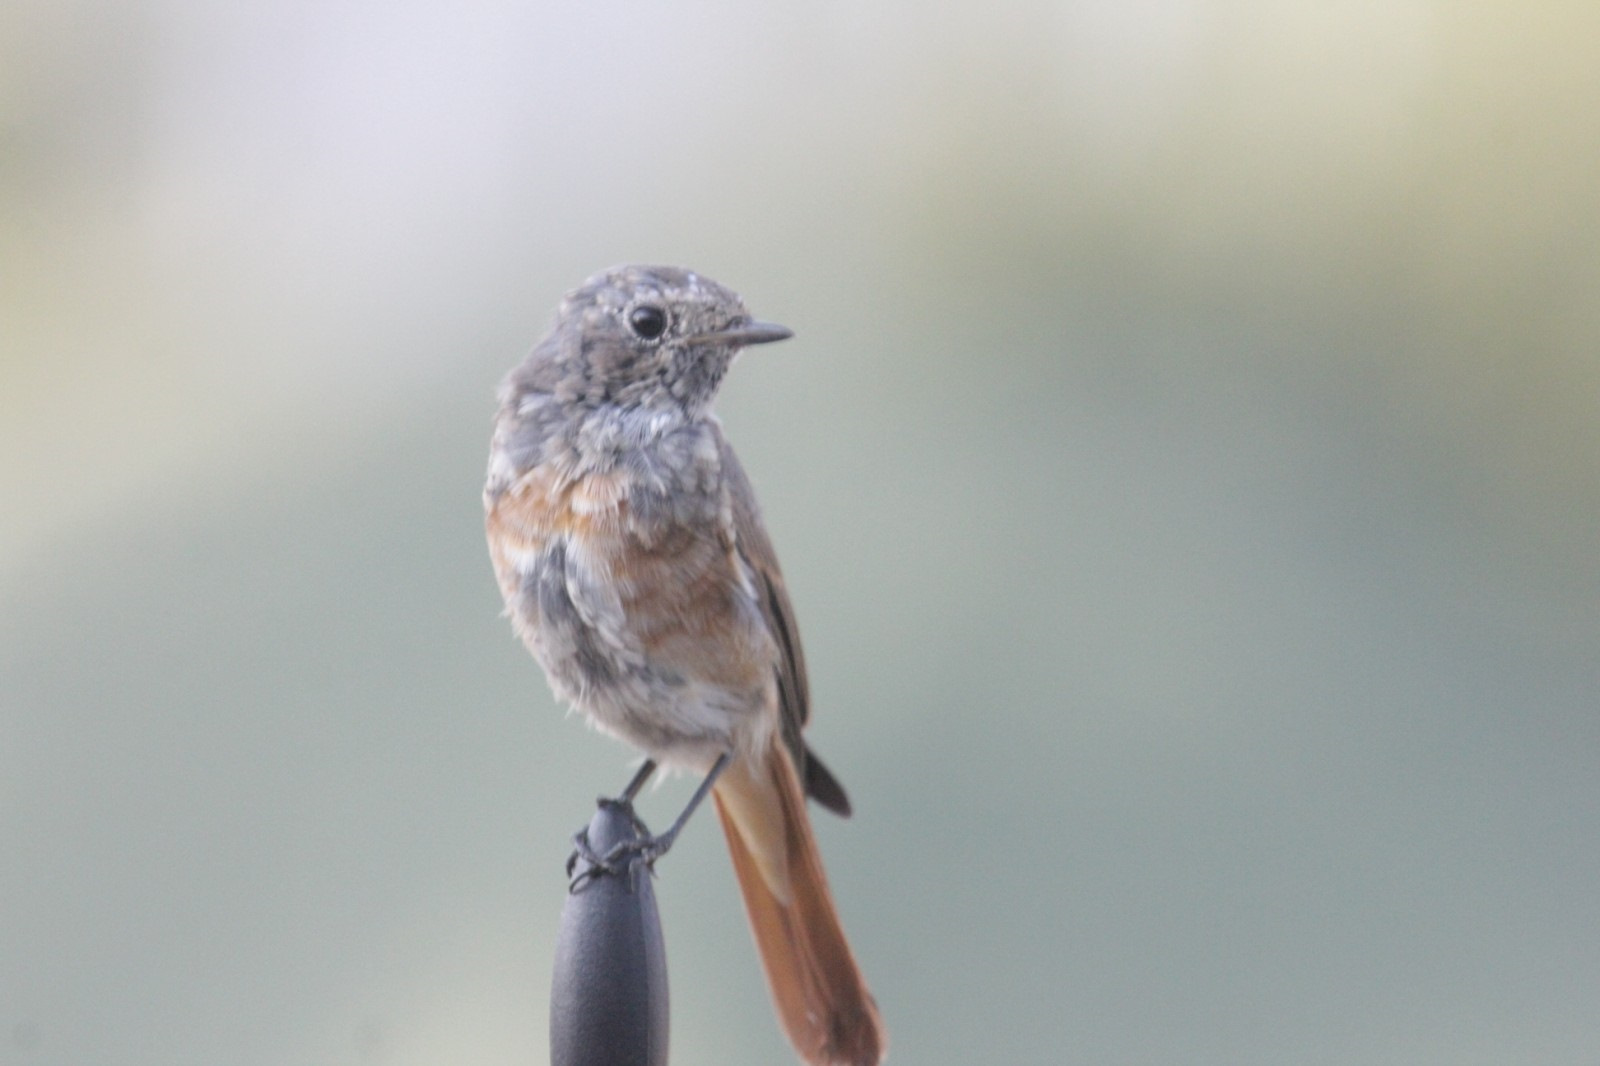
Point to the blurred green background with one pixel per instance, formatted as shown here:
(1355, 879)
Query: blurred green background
(1187, 471)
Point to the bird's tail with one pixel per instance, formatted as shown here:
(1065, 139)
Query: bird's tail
(821, 997)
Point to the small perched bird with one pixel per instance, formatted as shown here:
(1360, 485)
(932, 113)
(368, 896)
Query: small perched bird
(636, 568)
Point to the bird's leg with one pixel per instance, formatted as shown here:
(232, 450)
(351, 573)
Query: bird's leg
(656, 847)
(645, 770)
(645, 846)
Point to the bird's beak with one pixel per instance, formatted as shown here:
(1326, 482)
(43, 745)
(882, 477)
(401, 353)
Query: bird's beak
(745, 334)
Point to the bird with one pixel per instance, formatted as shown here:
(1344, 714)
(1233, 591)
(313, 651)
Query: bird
(635, 566)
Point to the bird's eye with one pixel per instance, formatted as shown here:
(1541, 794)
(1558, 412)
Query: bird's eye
(647, 321)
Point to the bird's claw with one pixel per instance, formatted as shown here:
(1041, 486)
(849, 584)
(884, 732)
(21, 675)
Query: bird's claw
(621, 857)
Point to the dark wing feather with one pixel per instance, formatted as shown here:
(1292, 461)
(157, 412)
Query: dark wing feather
(794, 693)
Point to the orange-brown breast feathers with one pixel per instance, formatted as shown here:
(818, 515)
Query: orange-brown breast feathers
(645, 621)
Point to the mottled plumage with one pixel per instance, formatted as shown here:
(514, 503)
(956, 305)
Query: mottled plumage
(635, 566)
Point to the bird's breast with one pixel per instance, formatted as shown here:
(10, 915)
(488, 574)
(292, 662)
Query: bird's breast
(631, 596)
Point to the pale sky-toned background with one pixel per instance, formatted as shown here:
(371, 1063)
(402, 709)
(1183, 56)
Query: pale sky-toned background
(1187, 470)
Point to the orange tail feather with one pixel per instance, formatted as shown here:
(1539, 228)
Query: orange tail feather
(820, 995)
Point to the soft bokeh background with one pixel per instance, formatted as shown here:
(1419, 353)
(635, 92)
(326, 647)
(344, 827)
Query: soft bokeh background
(1187, 470)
